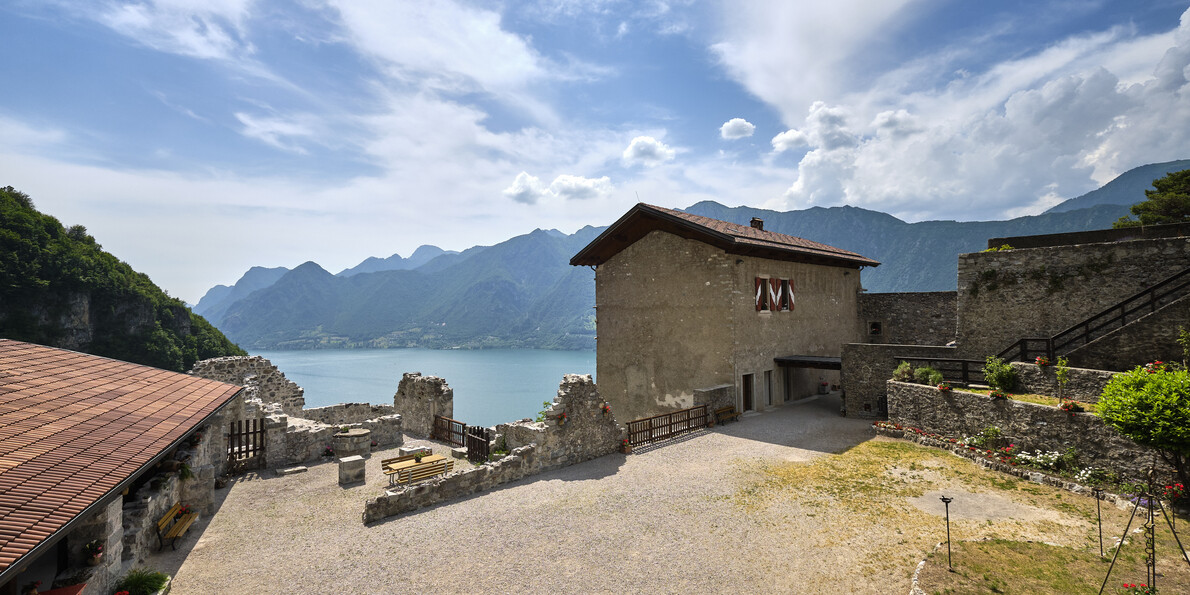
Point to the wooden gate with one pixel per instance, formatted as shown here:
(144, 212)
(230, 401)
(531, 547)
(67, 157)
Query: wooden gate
(479, 442)
(245, 445)
(449, 430)
(667, 425)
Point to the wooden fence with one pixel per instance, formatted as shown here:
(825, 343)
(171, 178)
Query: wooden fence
(667, 425)
(449, 430)
(245, 444)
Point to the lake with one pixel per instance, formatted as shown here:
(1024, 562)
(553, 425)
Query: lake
(491, 386)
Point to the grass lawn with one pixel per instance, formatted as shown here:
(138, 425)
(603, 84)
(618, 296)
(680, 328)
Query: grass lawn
(1030, 398)
(883, 496)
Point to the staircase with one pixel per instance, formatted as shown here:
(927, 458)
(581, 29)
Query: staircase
(1116, 317)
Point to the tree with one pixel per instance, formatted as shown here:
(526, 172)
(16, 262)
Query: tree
(1151, 406)
(1168, 203)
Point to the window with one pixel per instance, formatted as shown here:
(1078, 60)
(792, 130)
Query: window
(763, 303)
(874, 328)
(785, 295)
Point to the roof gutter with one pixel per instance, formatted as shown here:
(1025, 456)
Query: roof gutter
(38, 550)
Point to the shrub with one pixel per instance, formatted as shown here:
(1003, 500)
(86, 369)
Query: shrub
(999, 374)
(989, 437)
(1152, 407)
(903, 373)
(928, 376)
(140, 581)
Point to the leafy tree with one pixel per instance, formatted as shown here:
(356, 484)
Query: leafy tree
(999, 374)
(1151, 406)
(51, 275)
(1169, 202)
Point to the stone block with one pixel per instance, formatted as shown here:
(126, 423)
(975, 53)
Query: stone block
(408, 450)
(459, 452)
(292, 470)
(351, 469)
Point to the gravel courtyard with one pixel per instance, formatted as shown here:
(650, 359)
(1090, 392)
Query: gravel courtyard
(708, 513)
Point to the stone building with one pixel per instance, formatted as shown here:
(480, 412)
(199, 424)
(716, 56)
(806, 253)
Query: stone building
(88, 450)
(693, 310)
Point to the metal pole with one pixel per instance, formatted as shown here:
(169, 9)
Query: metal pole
(946, 502)
(1099, 515)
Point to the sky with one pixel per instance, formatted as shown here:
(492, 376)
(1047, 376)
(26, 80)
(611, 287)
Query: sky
(197, 138)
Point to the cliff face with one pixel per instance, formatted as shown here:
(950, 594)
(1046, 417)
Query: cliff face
(59, 288)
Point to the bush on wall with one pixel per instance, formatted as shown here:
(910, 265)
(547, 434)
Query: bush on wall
(1151, 406)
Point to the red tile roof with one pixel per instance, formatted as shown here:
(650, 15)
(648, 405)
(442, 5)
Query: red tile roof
(75, 427)
(732, 237)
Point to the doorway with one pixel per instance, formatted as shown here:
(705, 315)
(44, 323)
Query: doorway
(748, 386)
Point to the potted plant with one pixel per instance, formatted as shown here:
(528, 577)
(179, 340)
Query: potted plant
(182, 511)
(944, 388)
(94, 551)
(562, 419)
(1042, 361)
(418, 455)
(607, 409)
(327, 451)
(31, 588)
(1071, 407)
(626, 446)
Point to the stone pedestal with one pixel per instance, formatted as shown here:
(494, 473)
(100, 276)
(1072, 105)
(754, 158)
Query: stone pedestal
(351, 470)
(356, 441)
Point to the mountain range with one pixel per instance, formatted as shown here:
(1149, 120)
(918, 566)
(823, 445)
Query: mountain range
(523, 293)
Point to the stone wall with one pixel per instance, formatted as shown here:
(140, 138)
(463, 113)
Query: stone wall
(257, 374)
(346, 413)
(1082, 385)
(1027, 425)
(1037, 292)
(916, 318)
(867, 368)
(303, 441)
(586, 433)
(419, 398)
(1171, 230)
(1153, 337)
(715, 397)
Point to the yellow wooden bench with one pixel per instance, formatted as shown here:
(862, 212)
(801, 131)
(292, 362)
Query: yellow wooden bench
(723, 414)
(393, 466)
(172, 527)
(424, 471)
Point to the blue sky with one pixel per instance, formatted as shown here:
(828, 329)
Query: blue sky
(197, 138)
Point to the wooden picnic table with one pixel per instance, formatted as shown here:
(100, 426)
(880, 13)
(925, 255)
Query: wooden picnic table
(393, 469)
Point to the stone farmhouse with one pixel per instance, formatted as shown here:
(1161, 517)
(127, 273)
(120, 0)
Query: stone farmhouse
(692, 310)
(89, 447)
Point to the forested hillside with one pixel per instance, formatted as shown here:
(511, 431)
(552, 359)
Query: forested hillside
(58, 287)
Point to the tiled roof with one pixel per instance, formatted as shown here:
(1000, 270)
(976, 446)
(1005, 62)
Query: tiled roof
(75, 427)
(732, 237)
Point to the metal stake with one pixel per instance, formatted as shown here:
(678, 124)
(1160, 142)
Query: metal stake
(1099, 515)
(946, 502)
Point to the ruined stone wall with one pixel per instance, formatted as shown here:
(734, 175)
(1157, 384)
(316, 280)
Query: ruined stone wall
(1037, 292)
(346, 413)
(586, 433)
(866, 370)
(262, 379)
(1083, 385)
(911, 318)
(304, 441)
(419, 398)
(1027, 425)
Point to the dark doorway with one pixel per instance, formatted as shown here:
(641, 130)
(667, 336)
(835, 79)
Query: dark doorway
(748, 387)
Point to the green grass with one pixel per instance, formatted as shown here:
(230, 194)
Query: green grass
(1030, 398)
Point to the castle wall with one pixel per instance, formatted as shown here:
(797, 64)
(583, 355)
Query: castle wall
(419, 398)
(911, 318)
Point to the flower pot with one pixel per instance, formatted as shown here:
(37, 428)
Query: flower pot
(626, 449)
(94, 560)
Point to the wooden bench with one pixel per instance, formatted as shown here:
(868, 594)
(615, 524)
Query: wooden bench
(723, 414)
(171, 528)
(424, 471)
(390, 466)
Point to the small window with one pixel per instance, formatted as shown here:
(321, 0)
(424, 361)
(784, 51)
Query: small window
(785, 296)
(763, 304)
(874, 328)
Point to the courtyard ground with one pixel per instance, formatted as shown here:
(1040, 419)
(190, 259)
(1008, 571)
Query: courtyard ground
(797, 500)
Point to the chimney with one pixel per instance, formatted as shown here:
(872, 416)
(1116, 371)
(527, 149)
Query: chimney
(758, 223)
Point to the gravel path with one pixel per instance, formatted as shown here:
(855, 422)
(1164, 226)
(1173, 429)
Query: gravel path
(661, 520)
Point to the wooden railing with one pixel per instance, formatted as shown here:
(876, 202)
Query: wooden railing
(245, 442)
(1117, 316)
(479, 443)
(667, 425)
(449, 430)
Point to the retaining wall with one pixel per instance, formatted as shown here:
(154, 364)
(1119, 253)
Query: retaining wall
(346, 413)
(1027, 425)
(866, 370)
(587, 433)
(1083, 385)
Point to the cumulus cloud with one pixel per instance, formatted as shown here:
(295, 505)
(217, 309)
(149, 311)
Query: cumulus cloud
(647, 151)
(736, 128)
(528, 189)
(789, 140)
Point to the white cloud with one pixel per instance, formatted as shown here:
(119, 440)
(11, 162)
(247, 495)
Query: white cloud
(210, 29)
(528, 189)
(277, 132)
(736, 128)
(648, 151)
(789, 140)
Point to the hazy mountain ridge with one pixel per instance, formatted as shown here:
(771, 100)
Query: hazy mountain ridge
(523, 292)
(1123, 189)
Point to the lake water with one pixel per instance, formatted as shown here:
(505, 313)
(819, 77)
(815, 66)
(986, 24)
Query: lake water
(491, 386)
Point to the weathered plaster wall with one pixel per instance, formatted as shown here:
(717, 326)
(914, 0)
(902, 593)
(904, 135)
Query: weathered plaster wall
(1027, 425)
(663, 324)
(822, 321)
(867, 368)
(1038, 292)
(535, 447)
(419, 398)
(911, 318)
